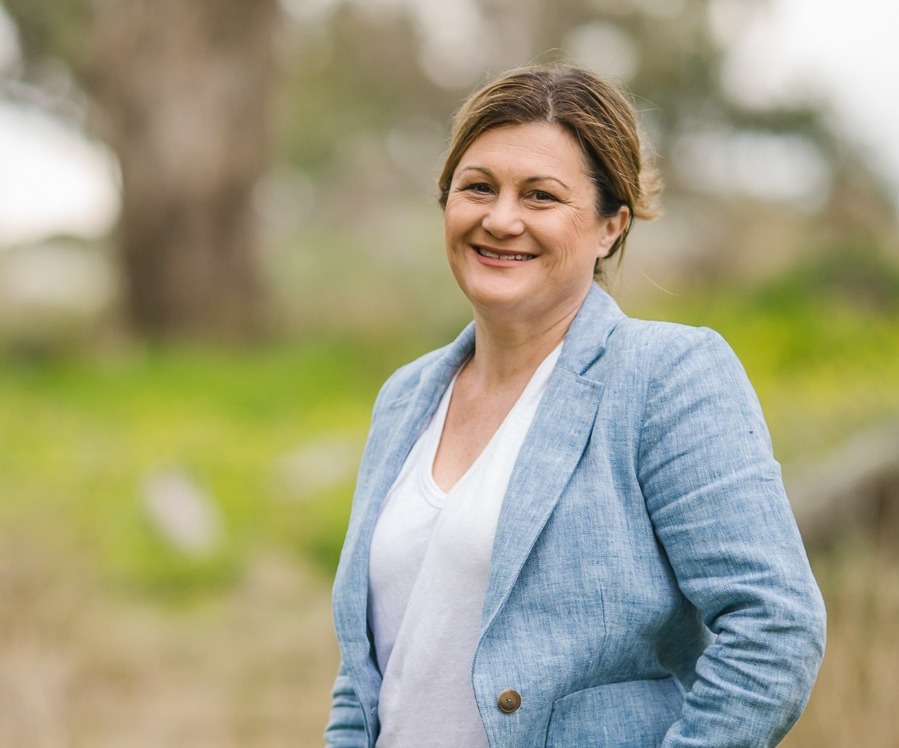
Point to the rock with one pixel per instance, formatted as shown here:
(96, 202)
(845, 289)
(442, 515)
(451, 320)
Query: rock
(183, 514)
(855, 486)
(317, 466)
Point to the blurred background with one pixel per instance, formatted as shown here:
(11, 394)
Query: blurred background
(219, 234)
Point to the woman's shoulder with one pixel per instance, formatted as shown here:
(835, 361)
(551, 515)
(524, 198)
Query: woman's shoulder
(603, 328)
(652, 356)
(406, 379)
(658, 342)
(409, 374)
(676, 361)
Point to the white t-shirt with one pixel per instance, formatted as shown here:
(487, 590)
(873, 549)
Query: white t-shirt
(428, 572)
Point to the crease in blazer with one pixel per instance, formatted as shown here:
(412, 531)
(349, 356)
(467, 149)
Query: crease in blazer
(648, 585)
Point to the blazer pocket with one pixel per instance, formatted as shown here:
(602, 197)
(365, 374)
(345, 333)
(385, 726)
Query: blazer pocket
(630, 714)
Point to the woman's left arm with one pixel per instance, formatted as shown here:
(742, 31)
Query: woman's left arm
(715, 495)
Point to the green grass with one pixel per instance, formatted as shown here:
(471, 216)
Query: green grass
(79, 437)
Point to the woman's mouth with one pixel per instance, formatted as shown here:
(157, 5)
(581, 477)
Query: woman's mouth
(502, 256)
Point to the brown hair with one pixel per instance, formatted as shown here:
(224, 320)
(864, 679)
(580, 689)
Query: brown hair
(597, 113)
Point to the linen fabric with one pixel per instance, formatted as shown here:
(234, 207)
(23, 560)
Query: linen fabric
(647, 585)
(428, 569)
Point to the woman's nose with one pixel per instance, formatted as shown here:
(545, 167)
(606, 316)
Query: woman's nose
(503, 217)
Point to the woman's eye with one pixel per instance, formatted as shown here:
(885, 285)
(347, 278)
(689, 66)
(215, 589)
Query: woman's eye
(481, 187)
(543, 197)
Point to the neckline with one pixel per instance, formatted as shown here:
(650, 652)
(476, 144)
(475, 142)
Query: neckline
(435, 495)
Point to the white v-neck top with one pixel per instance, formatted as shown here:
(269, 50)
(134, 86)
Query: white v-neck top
(428, 571)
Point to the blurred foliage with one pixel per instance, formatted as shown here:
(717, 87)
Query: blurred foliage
(361, 97)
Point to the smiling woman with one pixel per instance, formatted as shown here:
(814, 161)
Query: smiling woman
(522, 230)
(568, 527)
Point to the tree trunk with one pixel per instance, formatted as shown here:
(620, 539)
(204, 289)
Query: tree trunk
(183, 93)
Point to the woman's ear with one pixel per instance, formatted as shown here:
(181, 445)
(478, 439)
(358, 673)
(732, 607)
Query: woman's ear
(610, 229)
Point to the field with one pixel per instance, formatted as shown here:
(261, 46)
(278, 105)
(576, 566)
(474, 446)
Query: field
(116, 630)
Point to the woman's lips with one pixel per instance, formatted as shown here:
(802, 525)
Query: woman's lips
(495, 255)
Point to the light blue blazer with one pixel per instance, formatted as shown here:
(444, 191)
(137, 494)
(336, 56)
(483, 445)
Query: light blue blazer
(648, 585)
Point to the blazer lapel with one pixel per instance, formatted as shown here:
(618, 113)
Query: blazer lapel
(553, 447)
(396, 426)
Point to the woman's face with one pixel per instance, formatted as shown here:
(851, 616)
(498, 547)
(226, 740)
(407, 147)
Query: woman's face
(521, 227)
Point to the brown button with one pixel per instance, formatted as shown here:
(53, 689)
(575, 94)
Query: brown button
(508, 701)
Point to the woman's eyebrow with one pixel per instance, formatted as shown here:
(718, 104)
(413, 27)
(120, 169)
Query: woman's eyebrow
(547, 178)
(481, 169)
(530, 180)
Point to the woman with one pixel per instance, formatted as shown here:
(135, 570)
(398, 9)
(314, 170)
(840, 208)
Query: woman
(568, 528)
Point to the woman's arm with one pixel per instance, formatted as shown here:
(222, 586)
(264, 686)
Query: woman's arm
(346, 728)
(714, 492)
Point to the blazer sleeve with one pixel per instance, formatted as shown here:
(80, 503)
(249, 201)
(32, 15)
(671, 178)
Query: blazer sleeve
(716, 499)
(346, 727)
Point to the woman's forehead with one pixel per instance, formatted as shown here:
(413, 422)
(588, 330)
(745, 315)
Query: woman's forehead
(544, 147)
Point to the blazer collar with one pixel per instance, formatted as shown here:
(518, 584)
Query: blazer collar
(586, 339)
(584, 343)
(553, 447)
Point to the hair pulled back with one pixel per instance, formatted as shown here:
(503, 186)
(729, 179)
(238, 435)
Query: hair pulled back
(596, 112)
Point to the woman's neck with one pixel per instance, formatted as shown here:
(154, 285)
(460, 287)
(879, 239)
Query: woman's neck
(507, 353)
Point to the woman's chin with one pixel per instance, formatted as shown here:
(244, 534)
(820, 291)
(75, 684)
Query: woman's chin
(505, 305)
(495, 295)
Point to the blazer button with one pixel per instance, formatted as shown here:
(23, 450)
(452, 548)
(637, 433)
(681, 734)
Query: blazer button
(508, 701)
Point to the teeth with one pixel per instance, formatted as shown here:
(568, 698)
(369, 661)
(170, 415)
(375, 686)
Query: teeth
(484, 253)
